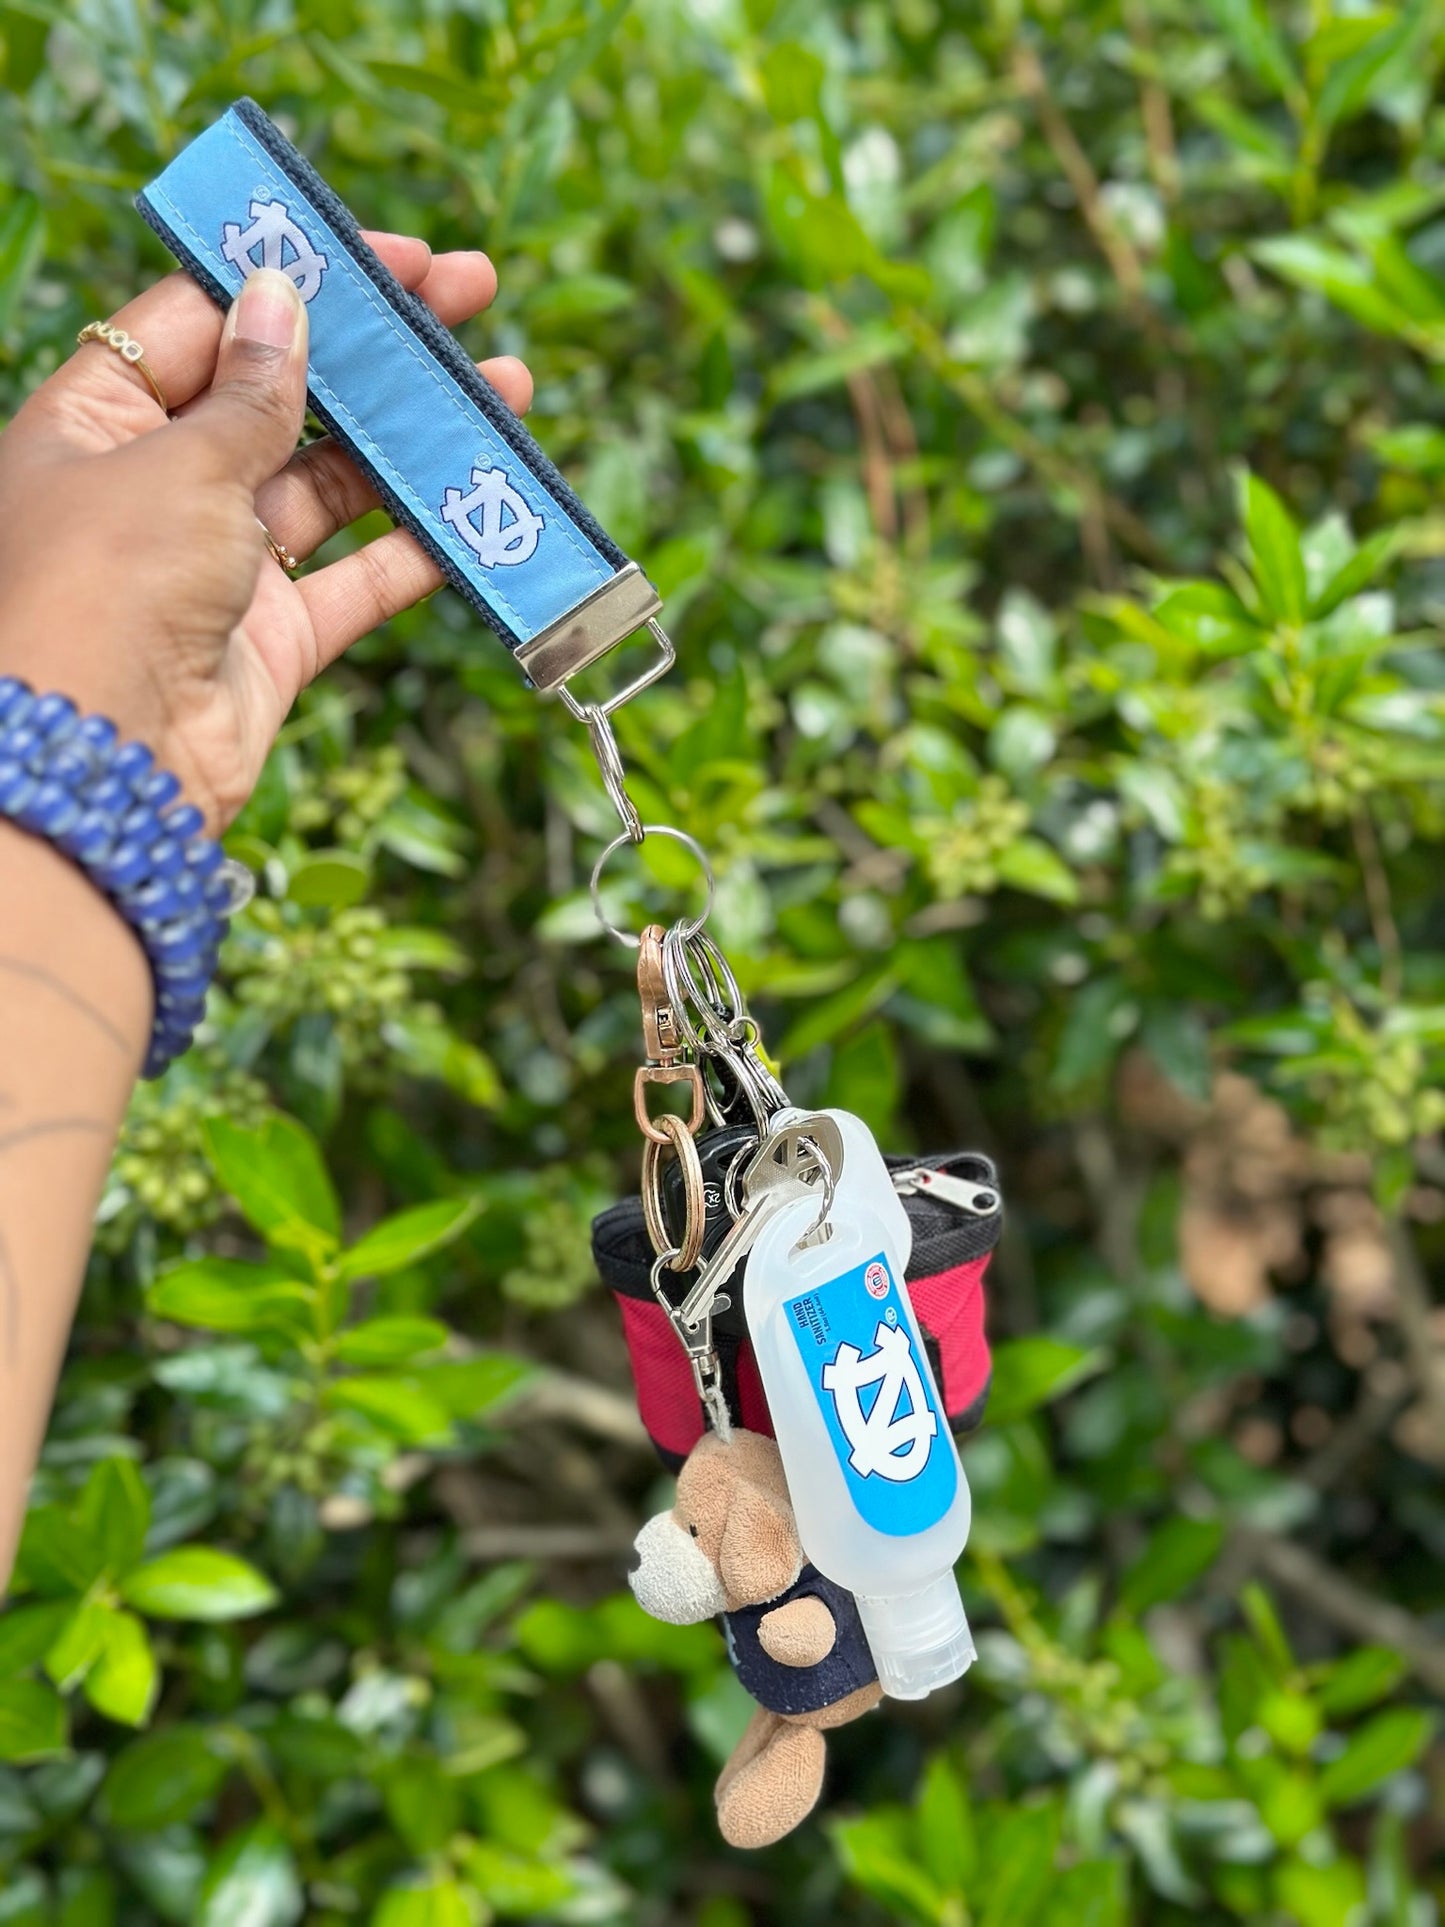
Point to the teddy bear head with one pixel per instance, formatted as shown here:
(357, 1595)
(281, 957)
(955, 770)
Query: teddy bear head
(729, 1541)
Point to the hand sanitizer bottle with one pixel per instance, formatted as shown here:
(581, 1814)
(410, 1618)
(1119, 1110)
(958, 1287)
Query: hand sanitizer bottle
(880, 1497)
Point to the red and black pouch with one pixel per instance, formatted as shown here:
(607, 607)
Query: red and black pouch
(952, 1247)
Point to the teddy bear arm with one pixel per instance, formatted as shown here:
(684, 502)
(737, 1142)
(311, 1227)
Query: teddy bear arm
(799, 1634)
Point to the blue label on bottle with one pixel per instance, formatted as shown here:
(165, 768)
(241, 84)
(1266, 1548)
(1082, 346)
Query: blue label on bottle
(876, 1394)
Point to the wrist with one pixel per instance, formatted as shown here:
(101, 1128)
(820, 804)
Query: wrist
(103, 675)
(101, 800)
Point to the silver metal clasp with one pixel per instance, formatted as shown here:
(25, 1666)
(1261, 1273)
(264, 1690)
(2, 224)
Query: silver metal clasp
(598, 720)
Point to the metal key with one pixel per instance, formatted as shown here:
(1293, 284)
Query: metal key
(800, 1149)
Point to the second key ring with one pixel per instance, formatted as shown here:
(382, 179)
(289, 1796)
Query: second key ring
(689, 1248)
(690, 925)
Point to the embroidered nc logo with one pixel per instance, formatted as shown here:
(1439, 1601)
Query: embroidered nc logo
(497, 525)
(273, 233)
(894, 1436)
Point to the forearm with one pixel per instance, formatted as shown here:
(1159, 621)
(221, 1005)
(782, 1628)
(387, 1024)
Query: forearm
(75, 1013)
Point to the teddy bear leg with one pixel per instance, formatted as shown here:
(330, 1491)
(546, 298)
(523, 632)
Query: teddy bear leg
(756, 1734)
(771, 1783)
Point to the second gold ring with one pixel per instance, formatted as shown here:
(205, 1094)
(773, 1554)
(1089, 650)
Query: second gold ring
(689, 1246)
(279, 554)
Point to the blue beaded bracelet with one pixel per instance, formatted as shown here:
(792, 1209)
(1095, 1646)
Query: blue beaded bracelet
(70, 779)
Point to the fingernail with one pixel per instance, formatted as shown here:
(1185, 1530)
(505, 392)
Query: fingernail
(268, 309)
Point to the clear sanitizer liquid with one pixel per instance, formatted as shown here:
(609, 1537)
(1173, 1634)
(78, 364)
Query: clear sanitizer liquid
(881, 1500)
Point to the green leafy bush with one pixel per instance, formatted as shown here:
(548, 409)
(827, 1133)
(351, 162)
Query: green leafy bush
(1031, 417)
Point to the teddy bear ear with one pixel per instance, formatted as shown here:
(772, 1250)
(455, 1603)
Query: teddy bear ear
(760, 1555)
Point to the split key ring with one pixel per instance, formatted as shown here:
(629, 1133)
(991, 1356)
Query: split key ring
(673, 1130)
(690, 925)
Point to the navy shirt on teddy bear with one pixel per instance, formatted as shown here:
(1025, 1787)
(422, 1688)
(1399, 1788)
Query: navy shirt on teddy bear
(801, 1689)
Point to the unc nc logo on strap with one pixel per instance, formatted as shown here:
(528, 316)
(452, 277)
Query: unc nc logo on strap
(894, 1437)
(273, 232)
(507, 530)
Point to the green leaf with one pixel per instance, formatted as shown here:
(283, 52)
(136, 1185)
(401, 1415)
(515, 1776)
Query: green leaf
(878, 1854)
(78, 1644)
(431, 1050)
(115, 1509)
(32, 1720)
(1031, 865)
(56, 1555)
(830, 1017)
(1028, 643)
(1386, 1744)
(409, 1236)
(163, 1778)
(1344, 279)
(945, 1828)
(1349, 80)
(1181, 1551)
(22, 243)
(1264, 1623)
(387, 1341)
(329, 880)
(224, 1295)
(469, 1387)
(1177, 1038)
(1368, 1674)
(397, 1406)
(1022, 741)
(1018, 1855)
(568, 299)
(456, 92)
(1029, 1372)
(197, 1582)
(125, 1679)
(1356, 574)
(28, 1632)
(1274, 544)
(252, 1882)
(1092, 1893)
(1247, 27)
(1329, 1896)
(514, 1885)
(422, 1802)
(277, 1176)
(436, 1903)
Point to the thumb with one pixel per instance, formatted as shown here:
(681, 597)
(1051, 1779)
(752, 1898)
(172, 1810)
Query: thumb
(251, 416)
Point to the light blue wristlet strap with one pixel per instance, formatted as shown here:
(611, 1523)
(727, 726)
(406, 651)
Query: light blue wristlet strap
(451, 461)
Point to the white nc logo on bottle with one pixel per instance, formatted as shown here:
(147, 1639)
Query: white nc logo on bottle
(497, 525)
(894, 1436)
(265, 244)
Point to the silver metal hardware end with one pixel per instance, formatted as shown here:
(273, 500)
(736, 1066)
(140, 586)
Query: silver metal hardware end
(598, 623)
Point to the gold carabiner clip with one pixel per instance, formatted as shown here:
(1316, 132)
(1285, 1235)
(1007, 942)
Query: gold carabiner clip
(666, 1052)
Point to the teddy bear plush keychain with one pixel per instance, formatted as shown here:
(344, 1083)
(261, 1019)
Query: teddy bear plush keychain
(800, 1270)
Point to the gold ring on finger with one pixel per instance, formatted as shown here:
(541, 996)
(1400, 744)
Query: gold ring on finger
(689, 1247)
(129, 349)
(279, 554)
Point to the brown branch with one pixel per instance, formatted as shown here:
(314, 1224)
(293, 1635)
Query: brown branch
(1377, 898)
(1115, 246)
(1155, 112)
(1055, 469)
(903, 441)
(577, 1401)
(586, 1543)
(1415, 1311)
(1345, 1604)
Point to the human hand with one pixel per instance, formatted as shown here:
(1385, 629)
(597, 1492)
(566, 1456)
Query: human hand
(133, 575)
